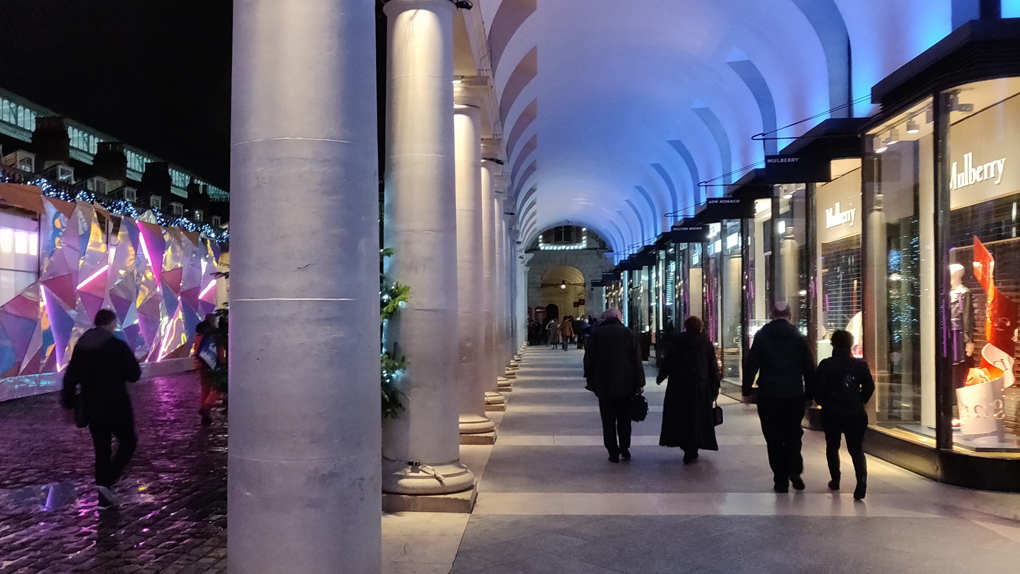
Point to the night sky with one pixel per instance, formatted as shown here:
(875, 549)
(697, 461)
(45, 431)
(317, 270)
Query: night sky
(153, 73)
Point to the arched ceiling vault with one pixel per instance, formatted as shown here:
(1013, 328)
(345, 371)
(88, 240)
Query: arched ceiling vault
(614, 111)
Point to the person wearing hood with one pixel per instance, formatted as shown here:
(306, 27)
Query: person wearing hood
(615, 373)
(102, 365)
(693, 371)
(845, 385)
(782, 361)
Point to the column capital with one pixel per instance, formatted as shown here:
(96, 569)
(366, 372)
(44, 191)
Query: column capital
(391, 7)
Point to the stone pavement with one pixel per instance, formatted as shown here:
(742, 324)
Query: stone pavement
(548, 499)
(174, 519)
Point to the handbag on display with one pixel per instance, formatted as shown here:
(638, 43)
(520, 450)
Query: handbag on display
(716, 413)
(638, 408)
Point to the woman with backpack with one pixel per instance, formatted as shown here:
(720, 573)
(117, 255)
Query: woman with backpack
(844, 386)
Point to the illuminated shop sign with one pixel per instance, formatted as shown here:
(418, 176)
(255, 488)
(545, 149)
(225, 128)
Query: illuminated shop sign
(796, 169)
(834, 217)
(971, 174)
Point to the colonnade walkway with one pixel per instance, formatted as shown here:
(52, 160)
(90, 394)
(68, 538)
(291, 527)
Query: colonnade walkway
(550, 501)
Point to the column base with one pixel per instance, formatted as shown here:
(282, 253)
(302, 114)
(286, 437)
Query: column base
(459, 502)
(425, 479)
(494, 402)
(496, 408)
(475, 424)
(484, 438)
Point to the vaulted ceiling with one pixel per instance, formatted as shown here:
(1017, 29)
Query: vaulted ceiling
(613, 111)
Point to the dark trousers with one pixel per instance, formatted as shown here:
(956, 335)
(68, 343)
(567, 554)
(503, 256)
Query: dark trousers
(109, 466)
(780, 423)
(566, 341)
(615, 422)
(853, 427)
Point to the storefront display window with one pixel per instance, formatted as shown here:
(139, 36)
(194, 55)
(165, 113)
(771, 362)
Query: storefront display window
(758, 264)
(837, 290)
(792, 259)
(902, 178)
(984, 261)
(711, 275)
(732, 291)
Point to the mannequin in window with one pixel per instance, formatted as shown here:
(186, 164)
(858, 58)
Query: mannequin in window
(961, 344)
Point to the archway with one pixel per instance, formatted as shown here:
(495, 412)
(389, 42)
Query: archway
(564, 287)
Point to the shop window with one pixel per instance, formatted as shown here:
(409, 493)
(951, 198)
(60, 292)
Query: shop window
(791, 269)
(901, 180)
(19, 254)
(984, 262)
(838, 301)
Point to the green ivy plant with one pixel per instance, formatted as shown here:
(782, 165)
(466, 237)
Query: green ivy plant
(392, 296)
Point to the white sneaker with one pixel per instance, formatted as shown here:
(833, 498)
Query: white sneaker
(107, 499)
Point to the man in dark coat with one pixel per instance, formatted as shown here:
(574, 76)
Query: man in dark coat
(786, 384)
(615, 373)
(102, 365)
(688, 420)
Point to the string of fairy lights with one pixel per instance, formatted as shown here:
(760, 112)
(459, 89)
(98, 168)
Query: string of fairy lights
(122, 207)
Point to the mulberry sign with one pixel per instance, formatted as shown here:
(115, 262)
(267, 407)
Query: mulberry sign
(971, 174)
(834, 217)
(796, 169)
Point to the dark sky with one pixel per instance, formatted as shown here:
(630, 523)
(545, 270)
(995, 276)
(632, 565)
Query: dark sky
(153, 73)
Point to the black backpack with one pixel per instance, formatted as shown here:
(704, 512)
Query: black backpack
(847, 390)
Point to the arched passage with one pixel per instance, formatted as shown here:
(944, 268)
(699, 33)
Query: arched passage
(563, 286)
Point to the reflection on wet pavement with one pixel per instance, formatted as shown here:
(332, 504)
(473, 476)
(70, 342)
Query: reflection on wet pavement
(174, 514)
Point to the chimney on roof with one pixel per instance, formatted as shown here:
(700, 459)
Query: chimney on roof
(111, 163)
(156, 179)
(51, 142)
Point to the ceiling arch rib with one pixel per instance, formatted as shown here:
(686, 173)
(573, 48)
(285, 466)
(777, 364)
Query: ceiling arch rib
(755, 82)
(827, 21)
(523, 121)
(655, 223)
(669, 185)
(524, 179)
(722, 141)
(523, 74)
(526, 151)
(640, 220)
(507, 20)
(692, 169)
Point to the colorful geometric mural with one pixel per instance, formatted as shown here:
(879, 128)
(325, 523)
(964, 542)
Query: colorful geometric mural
(159, 280)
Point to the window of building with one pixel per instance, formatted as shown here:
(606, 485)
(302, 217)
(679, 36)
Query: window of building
(177, 209)
(17, 115)
(156, 202)
(135, 161)
(82, 140)
(19, 254)
(198, 215)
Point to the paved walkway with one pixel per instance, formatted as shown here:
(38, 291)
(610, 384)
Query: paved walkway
(549, 500)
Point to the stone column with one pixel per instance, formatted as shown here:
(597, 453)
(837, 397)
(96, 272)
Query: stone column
(471, 372)
(500, 279)
(490, 207)
(421, 448)
(303, 468)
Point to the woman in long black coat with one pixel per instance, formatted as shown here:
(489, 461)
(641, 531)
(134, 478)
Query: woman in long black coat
(687, 418)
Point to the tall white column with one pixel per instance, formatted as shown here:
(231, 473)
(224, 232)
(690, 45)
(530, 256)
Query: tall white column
(421, 448)
(489, 275)
(471, 372)
(303, 468)
(500, 290)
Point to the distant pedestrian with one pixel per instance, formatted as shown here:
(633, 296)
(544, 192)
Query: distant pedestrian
(553, 329)
(208, 356)
(786, 385)
(566, 331)
(101, 365)
(845, 385)
(687, 411)
(580, 328)
(615, 373)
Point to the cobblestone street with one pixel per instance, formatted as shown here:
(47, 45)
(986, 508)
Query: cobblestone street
(174, 514)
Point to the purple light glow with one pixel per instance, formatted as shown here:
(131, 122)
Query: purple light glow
(93, 276)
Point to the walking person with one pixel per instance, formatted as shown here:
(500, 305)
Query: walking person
(690, 365)
(580, 328)
(566, 331)
(207, 352)
(102, 365)
(845, 385)
(553, 329)
(781, 359)
(615, 373)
